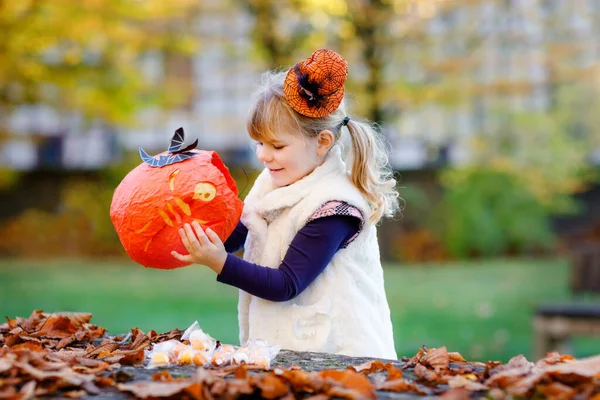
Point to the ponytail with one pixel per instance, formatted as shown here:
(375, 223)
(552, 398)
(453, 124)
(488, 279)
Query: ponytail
(370, 171)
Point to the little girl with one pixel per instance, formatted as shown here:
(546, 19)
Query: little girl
(311, 278)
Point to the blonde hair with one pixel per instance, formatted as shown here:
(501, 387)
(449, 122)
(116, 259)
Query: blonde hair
(368, 163)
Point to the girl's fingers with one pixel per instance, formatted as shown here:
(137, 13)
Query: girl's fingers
(214, 238)
(181, 257)
(185, 240)
(195, 245)
(200, 233)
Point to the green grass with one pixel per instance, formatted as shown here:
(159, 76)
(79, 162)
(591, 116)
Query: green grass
(481, 309)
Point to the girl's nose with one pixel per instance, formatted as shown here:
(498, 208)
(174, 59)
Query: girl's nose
(263, 154)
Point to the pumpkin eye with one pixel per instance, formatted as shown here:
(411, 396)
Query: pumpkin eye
(172, 179)
(205, 192)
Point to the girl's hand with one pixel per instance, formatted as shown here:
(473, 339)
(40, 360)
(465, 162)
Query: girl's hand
(205, 247)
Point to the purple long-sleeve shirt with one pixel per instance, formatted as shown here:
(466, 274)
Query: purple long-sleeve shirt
(309, 253)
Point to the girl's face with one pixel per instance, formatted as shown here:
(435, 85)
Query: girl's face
(290, 157)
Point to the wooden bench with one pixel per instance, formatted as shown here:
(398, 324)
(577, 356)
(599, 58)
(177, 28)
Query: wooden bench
(555, 324)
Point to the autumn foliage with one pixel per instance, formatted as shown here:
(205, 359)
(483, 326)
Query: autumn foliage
(64, 354)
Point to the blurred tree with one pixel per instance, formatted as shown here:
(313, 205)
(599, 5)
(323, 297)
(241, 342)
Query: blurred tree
(275, 37)
(286, 30)
(370, 21)
(524, 79)
(487, 212)
(84, 55)
(365, 31)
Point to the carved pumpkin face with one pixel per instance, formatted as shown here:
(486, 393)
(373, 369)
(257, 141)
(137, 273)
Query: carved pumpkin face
(152, 203)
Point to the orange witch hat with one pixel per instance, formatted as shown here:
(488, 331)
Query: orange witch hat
(315, 86)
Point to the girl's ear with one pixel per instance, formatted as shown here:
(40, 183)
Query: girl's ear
(325, 141)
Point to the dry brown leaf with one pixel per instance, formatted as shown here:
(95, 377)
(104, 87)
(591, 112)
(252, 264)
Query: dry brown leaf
(557, 390)
(586, 367)
(456, 357)
(497, 394)
(91, 367)
(400, 385)
(30, 345)
(240, 372)
(27, 391)
(456, 394)
(369, 367)
(154, 389)
(414, 360)
(506, 378)
(7, 359)
(394, 373)
(79, 319)
(271, 386)
(11, 339)
(163, 376)
(218, 388)
(132, 357)
(503, 376)
(317, 397)
(195, 391)
(345, 393)
(106, 347)
(66, 355)
(569, 372)
(302, 381)
(74, 394)
(26, 324)
(139, 340)
(113, 359)
(238, 387)
(554, 358)
(429, 375)
(55, 327)
(175, 334)
(350, 380)
(65, 342)
(437, 358)
(104, 381)
(64, 374)
(88, 333)
(460, 381)
(517, 362)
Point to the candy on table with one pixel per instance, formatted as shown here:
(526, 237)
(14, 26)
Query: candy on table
(222, 355)
(200, 358)
(178, 348)
(185, 356)
(261, 353)
(201, 341)
(160, 358)
(198, 339)
(162, 354)
(240, 356)
(191, 356)
(202, 350)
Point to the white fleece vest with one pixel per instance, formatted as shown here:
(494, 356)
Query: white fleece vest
(345, 310)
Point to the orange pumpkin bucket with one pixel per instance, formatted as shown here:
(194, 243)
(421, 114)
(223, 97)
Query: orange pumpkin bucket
(157, 197)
